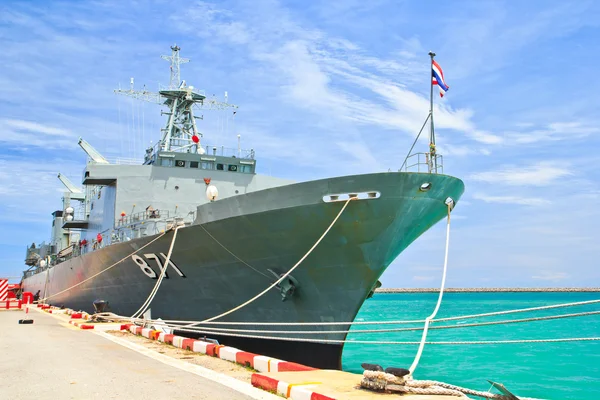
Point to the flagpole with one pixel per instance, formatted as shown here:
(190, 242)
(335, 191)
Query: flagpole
(432, 160)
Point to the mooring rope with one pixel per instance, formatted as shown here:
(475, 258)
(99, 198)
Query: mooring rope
(439, 301)
(105, 269)
(324, 332)
(394, 322)
(284, 275)
(376, 342)
(163, 273)
(381, 381)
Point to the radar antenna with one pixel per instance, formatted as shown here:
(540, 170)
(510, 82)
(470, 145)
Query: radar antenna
(175, 62)
(180, 133)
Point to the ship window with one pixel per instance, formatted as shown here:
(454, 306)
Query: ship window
(245, 169)
(193, 164)
(180, 163)
(165, 162)
(233, 168)
(425, 187)
(208, 165)
(220, 167)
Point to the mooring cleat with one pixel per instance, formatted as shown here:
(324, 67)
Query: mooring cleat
(371, 367)
(399, 372)
(500, 387)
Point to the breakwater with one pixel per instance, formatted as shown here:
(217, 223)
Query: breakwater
(483, 290)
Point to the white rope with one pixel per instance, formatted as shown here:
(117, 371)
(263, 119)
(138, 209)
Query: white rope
(377, 342)
(104, 270)
(324, 332)
(395, 322)
(284, 275)
(439, 302)
(163, 273)
(381, 381)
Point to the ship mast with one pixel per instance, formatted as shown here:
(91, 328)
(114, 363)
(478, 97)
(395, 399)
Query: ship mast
(175, 69)
(180, 133)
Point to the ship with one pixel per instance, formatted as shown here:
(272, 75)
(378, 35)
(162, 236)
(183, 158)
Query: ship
(237, 231)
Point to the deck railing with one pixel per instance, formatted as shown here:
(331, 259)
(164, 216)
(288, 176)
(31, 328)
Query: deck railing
(423, 162)
(141, 216)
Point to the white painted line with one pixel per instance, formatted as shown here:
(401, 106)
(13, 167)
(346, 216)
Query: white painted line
(222, 379)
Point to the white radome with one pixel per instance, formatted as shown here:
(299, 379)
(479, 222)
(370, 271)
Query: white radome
(201, 150)
(69, 210)
(212, 193)
(69, 218)
(43, 263)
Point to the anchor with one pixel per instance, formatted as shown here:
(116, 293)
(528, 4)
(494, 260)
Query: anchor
(287, 287)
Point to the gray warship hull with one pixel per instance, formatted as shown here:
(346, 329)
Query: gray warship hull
(236, 247)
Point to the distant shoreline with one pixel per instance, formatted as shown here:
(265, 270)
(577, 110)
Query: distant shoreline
(483, 290)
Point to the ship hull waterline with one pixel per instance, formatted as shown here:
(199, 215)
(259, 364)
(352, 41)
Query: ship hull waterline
(238, 246)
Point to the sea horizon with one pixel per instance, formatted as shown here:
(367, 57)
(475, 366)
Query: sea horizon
(488, 289)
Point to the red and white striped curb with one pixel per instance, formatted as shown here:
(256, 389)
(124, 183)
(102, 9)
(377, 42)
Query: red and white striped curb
(256, 361)
(294, 391)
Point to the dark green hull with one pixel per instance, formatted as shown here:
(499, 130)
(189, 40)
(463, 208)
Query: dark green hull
(270, 230)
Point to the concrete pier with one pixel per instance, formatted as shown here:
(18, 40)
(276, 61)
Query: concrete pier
(63, 355)
(51, 359)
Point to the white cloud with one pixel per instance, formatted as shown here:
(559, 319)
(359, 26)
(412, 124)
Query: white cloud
(34, 127)
(555, 131)
(486, 137)
(526, 201)
(328, 75)
(539, 174)
(27, 133)
(422, 278)
(551, 276)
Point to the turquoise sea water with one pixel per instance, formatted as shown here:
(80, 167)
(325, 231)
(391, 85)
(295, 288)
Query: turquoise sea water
(568, 370)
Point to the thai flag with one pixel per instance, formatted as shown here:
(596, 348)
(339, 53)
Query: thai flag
(438, 78)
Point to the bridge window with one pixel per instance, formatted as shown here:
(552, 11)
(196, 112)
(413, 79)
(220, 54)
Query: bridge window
(220, 167)
(193, 164)
(233, 168)
(208, 165)
(245, 169)
(180, 163)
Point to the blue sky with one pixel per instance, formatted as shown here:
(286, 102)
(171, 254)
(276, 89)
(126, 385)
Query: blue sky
(325, 90)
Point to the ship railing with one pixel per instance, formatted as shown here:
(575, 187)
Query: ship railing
(229, 152)
(424, 162)
(209, 150)
(124, 161)
(192, 89)
(142, 216)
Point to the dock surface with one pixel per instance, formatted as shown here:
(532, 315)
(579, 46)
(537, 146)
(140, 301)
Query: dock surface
(51, 359)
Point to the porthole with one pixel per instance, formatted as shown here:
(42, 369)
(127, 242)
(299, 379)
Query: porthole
(425, 187)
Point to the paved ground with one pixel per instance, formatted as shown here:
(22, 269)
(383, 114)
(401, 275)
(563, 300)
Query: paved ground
(53, 360)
